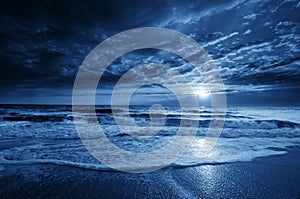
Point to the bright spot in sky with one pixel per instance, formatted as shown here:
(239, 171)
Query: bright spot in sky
(201, 93)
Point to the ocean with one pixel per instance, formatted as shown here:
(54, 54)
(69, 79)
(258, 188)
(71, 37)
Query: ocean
(46, 134)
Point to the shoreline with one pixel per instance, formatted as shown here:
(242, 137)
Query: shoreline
(274, 176)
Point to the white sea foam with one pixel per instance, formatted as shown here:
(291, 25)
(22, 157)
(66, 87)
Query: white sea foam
(236, 149)
(248, 133)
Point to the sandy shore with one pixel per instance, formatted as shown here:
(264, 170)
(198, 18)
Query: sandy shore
(268, 177)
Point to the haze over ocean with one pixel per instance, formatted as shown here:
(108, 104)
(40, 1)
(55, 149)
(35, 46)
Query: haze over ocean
(254, 45)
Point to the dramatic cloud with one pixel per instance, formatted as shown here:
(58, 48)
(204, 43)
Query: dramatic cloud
(255, 44)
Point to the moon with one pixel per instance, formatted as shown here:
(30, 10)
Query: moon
(202, 93)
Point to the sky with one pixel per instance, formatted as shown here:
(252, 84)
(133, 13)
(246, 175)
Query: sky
(254, 44)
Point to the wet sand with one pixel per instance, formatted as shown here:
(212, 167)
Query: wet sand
(267, 177)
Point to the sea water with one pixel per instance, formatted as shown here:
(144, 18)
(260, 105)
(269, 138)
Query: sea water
(46, 134)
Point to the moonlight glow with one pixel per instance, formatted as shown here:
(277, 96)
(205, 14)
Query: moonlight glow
(202, 93)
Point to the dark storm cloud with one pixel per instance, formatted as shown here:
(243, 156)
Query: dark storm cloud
(256, 44)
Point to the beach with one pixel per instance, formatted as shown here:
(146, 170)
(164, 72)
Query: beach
(256, 156)
(274, 176)
(136, 99)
